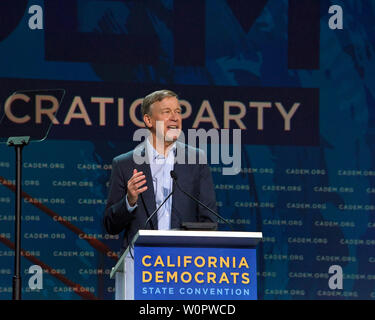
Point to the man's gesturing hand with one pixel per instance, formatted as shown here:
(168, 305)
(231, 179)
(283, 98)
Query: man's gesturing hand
(135, 184)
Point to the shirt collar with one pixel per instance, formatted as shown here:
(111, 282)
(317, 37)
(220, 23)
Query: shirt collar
(153, 154)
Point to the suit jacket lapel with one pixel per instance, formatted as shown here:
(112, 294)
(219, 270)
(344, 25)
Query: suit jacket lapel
(141, 159)
(181, 170)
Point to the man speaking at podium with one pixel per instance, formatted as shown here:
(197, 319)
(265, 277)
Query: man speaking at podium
(138, 188)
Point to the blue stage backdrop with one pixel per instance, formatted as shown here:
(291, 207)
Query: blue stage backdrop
(298, 84)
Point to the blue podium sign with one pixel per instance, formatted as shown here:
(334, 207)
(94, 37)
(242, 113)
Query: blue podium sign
(192, 273)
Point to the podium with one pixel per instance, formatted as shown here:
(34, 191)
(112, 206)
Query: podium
(188, 265)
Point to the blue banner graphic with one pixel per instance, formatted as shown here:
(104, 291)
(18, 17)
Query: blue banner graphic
(194, 273)
(273, 116)
(296, 76)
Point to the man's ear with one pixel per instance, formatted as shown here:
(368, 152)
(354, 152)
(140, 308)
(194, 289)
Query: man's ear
(147, 121)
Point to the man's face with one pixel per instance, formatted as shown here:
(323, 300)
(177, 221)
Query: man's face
(165, 121)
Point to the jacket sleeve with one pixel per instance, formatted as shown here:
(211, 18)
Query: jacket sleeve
(116, 215)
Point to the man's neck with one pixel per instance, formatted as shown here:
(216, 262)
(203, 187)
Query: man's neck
(162, 147)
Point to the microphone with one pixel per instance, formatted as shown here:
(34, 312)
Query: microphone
(174, 177)
(157, 209)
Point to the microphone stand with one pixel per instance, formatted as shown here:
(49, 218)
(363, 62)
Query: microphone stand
(18, 143)
(174, 177)
(157, 209)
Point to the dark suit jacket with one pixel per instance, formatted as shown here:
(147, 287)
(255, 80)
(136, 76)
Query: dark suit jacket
(196, 179)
